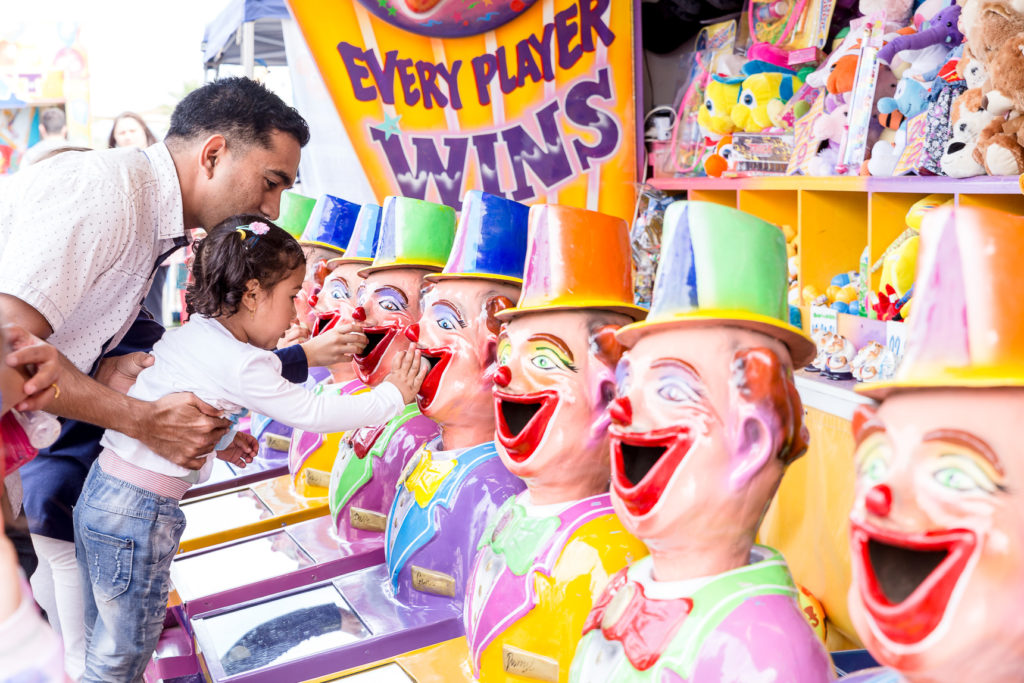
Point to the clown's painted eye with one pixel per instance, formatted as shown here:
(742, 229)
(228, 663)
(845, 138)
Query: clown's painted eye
(677, 392)
(389, 305)
(960, 473)
(873, 460)
(504, 352)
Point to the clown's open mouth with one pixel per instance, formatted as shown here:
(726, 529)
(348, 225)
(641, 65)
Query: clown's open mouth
(523, 420)
(643, 464)
(438, 359)
(909, 578)
(325, 322)
(377, 341)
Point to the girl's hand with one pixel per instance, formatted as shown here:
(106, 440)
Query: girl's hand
(297, 333)
(242, 450)
(336, 345)
(41, 362)
(407, 373)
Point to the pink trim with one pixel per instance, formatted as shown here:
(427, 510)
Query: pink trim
(154, 482)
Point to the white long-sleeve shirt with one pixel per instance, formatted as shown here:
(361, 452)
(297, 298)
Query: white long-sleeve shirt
(204, 358)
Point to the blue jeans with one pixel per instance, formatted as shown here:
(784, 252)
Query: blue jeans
(125, 539)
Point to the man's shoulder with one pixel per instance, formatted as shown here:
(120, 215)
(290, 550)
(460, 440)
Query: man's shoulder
(101, 171)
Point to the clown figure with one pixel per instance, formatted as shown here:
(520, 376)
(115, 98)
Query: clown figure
(549, 551)
(937, 531)
(415, 240)
(455, 482)
(706, 421)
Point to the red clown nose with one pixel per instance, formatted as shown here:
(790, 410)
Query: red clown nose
(878, 500)
(412, 333)
(503, 376)
(621, 411)
(359, 314)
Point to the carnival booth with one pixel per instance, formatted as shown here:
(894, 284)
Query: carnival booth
(733, 407)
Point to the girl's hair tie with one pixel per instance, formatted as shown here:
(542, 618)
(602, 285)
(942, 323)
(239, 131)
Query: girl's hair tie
(256, 229)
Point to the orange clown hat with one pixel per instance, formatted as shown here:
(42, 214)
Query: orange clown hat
(576, 259)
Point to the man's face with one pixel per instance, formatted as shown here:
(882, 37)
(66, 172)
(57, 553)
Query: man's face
(552, 427)
(687, 452)
(249, 179)
(937, 534)
(390, 301)
(455, 338)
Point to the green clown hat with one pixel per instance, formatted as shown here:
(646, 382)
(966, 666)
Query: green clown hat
(720, 266)
(295, 212)
(413, 234)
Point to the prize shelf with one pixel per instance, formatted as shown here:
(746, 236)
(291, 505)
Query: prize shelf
(836, 217)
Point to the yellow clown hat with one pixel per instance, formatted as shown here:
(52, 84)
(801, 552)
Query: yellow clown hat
(720, 266)
(968, 324)
(576, 259)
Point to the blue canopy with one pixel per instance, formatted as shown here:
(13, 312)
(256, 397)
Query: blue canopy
(220, 45)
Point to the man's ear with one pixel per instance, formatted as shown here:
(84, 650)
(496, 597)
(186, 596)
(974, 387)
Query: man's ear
(211, 153)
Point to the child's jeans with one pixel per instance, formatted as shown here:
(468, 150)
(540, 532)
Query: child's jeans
(125, 538)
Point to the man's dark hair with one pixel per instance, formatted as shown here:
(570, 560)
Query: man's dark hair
(53, 120)
(244, 111)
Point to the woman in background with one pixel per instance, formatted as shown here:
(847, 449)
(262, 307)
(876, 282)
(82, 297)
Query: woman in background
(130, 130)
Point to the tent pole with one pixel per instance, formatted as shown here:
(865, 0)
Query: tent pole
(248, 47)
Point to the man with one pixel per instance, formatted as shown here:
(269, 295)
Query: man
(53, 135)
(108, 219)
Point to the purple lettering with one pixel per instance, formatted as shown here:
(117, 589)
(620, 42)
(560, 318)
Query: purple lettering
(565, 31)
(525, 64)
(408, 81)
(485, 68)
(488, 160)
(357, 73)
(579, 110)
(543, 49)
(451, 77)
(508, 82)
(549, 163)
(447, 177)
(385, 76)
(591, 23)
(428, 84)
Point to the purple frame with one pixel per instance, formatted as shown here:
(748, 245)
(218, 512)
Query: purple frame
(395, 629)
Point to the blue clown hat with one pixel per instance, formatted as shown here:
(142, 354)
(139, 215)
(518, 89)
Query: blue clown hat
(331, 223)
(722, 267)
(362, 246)
(490, 243)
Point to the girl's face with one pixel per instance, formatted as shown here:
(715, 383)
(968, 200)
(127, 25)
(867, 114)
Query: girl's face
(274, 311)
(128, 133)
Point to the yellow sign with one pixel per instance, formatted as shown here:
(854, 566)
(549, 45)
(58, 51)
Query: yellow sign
(529, 99)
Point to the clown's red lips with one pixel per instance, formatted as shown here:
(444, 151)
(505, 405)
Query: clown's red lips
(439, 359)
(909, 578)
(378, 340)
(643, 464)
(522, 421)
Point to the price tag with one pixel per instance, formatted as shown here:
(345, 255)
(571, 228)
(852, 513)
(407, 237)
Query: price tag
(896, 338)
(824, 319)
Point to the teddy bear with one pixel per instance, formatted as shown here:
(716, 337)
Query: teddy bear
(994, 24)
(1004, 91)
(1000, 147)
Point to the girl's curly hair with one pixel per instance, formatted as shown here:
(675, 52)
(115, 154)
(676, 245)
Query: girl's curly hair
(232, 254)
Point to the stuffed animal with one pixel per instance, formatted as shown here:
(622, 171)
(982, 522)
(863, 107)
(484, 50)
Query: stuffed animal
(942, 30)
(719, 97)
(1000, 147)
(828, 131)
(720, 160)
(763, 94)
(995, 24)
(968, 117)
(1006, 77)
(897, 12)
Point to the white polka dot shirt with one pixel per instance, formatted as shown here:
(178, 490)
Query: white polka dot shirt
(80, 238)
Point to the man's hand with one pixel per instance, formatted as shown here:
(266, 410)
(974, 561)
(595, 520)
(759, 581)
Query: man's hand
(181, 428)
(335, 345)
(297, 334)
(120, 372)
(41, 363)
(242, 451)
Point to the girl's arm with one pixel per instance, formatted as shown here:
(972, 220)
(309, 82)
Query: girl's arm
(263, 390)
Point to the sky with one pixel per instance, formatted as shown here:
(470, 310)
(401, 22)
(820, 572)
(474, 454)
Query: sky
(141, 52)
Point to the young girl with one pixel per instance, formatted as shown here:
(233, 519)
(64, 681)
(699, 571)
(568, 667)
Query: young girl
(127, 521)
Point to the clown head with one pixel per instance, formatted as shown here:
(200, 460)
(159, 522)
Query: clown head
(556, 377)
(705, 423)
(457, 334)
(415, 239)
(327, 233)
(708, 416)
(937, 530)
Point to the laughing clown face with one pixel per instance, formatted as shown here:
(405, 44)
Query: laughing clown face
(389, 303)
(555, 380)
(937, 534)
(706, 421)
